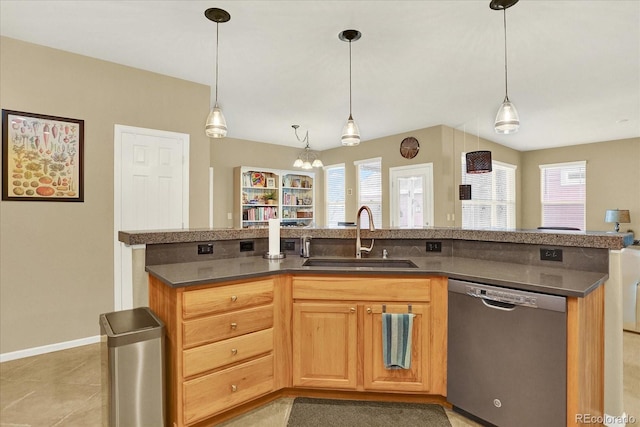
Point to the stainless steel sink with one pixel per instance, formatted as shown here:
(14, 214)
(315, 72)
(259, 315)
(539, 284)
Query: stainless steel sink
(355, 262)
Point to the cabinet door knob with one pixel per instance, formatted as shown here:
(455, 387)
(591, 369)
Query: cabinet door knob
(234, 325)
(352, 310)
(234, 298)
(234, 351)
(234, 387)
(369, 310)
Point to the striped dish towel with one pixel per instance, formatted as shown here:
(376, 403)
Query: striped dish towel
(396, 340)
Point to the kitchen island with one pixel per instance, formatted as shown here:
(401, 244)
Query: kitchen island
(499, 258)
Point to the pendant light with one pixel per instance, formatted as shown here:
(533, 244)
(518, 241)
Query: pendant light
(350, 132)
(479, 161)
(507, 120)
(216, 125)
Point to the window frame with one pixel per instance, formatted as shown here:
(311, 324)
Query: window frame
(327, 202)
(378, 215)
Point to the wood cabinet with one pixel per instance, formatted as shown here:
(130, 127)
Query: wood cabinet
(337, 332)
(221, 344)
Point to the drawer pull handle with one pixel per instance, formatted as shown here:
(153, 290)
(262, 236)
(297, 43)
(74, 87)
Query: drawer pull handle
(234, 351)
(234, 325)
(369, 310)
(234, 298)
(234, 388)
(352, 310)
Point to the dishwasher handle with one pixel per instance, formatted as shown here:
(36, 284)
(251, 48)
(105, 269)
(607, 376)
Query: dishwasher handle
(497, 305)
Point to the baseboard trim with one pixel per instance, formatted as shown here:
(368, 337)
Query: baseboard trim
(34, 351)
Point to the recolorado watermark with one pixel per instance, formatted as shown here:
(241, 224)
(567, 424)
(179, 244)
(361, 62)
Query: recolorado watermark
(606, 419)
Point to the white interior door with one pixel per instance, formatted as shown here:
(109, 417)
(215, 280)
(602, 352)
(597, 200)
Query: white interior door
(411, 189)
(151, 192)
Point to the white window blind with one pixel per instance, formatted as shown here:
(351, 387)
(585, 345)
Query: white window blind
(369, 175)
(563, 189)
(334, 194)
(493, 197)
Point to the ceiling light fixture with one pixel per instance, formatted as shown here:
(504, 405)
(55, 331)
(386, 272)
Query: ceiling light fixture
(216, 125)
(350, 132)
(307, 159)
(507, 119)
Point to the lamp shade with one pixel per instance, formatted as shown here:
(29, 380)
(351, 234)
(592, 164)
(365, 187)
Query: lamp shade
(617, 215)
(216, 126)
(479, 162)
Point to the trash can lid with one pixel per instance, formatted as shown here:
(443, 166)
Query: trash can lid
(136, 319)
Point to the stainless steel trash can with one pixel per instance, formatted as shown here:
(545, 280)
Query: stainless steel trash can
(133, 368)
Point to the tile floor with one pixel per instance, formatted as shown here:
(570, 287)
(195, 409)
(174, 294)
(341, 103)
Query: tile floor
(63, 389)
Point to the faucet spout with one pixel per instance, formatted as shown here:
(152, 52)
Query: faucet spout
(359, 247)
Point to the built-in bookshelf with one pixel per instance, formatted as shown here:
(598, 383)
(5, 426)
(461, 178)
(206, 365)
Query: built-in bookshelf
(262, 194)
(297, 199)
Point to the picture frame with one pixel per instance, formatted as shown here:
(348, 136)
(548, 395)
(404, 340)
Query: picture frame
(271, 183)
(42, 157)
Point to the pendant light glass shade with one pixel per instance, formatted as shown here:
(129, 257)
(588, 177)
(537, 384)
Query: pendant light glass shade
(350, 133)
(507, 120)
(298, 163)
(216, 126)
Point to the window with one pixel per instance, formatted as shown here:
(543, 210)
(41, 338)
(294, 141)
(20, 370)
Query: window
(493, 197)
(334, 194)
(563, 189)
(369, 177)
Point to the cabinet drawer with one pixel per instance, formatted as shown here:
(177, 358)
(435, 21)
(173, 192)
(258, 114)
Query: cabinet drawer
(216, 392)
(362, 289)
(223, 326)
(215, 355)
(225, 298)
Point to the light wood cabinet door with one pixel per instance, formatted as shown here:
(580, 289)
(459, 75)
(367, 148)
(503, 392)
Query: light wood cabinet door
(376, 376)
(325, 348)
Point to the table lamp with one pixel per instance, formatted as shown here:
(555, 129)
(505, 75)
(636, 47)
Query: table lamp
(618, 216)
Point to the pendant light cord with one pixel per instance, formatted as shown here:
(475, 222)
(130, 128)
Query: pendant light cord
(506, 85)
(350, 80)
(217, 39)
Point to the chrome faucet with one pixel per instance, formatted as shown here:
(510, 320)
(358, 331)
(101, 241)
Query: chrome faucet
(359, 247)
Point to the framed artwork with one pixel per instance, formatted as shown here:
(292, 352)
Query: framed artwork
(42, 158)
(271, 182)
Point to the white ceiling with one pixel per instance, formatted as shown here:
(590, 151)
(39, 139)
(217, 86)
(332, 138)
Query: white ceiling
(574, 66)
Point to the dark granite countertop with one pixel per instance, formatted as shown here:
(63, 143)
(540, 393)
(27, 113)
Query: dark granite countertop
(585, 239)
(555, 281)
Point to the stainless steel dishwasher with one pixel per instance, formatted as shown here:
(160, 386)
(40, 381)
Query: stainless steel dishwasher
(507, 355)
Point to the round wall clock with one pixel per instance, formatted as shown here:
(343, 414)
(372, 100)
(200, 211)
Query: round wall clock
(409, 147)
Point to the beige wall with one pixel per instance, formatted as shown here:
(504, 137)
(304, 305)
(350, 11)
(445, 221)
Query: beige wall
(613, 181)
(56, 259)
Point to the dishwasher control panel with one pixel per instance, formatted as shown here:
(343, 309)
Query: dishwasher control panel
(504, 296)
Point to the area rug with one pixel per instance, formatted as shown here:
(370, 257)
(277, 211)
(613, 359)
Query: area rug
(308, 412)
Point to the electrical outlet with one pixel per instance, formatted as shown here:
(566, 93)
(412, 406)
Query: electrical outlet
(205, 249)
(247, 246)
(434, 246)
(289, 245)
(550, 254)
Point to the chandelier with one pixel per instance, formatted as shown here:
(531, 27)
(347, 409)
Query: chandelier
(307, 159)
